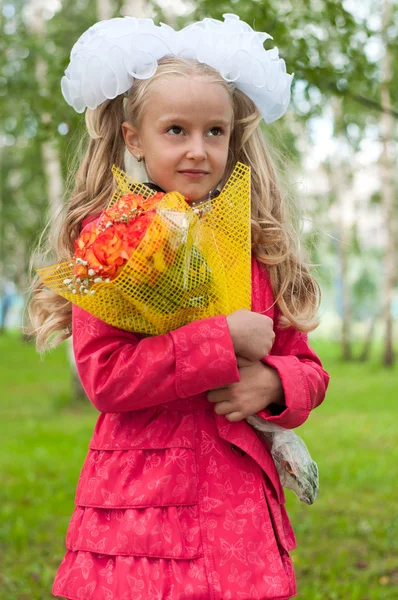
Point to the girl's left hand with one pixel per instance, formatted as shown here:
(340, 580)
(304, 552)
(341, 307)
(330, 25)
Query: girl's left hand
(259, 386)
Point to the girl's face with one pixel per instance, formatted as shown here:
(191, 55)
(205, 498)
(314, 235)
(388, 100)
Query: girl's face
(184, 135)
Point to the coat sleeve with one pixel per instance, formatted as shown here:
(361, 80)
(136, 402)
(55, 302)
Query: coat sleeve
(121, 372)
(303, 379)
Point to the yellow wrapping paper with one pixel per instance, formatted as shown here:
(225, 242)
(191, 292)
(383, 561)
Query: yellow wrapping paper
(192, 263)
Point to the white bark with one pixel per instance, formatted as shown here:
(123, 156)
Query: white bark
(104, 10)
(344, 201)
(49, 150)
(136, 8)
(387, 187)
(50, 154)
(55, 188)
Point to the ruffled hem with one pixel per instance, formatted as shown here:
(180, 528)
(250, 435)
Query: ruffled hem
(91, 576)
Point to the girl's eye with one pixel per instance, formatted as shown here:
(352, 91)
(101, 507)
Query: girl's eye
(174, 130)
(215, 131)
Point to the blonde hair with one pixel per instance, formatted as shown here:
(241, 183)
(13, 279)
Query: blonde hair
(275, 242)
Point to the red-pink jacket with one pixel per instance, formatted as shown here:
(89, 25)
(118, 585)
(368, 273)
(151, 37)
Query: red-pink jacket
(168, 480)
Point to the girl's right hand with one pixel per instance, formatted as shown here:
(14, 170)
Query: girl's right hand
(252, 334)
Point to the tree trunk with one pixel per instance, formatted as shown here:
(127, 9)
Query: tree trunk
(345, 289)
(387, 189)
(337, 180)
(136, 8)
(49, 149)
(104, 10)
(364, 356)
(52, 164)
(52, 169)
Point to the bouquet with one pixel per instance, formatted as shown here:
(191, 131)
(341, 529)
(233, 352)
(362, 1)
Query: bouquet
(152, 263)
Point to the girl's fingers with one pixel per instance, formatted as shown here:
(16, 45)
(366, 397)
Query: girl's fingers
(228, 409)
(223, 408)
(235, 416)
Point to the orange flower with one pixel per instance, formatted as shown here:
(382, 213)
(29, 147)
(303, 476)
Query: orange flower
(100, 252)
(106, 252)
(138, 201)
(133, 232)
(103, 250)
(129, 204)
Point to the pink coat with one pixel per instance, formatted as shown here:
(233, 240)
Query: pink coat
(175, 502)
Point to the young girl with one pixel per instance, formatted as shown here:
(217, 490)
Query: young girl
(179, 498)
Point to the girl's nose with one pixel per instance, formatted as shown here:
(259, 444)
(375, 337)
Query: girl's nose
(196, 148)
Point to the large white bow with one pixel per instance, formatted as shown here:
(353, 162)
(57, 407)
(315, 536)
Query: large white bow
(108, 57)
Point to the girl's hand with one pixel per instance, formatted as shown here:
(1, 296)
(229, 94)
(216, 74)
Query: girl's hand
(252, 334)
(259, 386)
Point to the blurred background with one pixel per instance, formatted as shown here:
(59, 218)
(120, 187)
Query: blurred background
(336, 150)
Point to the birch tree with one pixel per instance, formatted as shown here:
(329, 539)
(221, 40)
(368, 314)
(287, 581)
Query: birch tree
(342, 201)
(387, 186)
(104, 10)
(49, 148)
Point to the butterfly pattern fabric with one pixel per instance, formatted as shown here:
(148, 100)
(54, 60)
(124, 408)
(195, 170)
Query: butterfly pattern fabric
(174, 502)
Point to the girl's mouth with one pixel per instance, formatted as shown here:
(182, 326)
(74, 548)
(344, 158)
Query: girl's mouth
(193, 173)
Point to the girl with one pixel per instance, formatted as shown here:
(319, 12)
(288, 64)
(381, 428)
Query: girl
(178, 497)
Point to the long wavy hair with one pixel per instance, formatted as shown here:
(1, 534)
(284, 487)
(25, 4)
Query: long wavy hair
(275, 242)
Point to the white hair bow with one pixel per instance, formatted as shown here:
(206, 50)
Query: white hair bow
(110, 55)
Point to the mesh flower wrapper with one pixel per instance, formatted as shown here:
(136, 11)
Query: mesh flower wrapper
(191, 263)
(296, 469)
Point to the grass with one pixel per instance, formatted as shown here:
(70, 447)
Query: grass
(44, 442)
(347, 541)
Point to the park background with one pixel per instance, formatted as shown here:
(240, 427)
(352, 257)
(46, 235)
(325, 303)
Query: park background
(336, 150)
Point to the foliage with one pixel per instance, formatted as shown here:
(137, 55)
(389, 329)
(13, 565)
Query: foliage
(333, 47)
(323, 44)
(33, 114)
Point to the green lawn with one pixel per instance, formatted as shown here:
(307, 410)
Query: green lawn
(347, 541)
